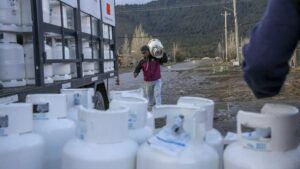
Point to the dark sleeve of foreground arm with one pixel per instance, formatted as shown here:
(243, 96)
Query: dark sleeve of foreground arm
(271, 46)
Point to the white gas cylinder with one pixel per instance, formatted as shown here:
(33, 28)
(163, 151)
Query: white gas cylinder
(156, 48)
(26, 17)
(29, 63)
(278, 149)
(77, 97)
(212, 136)
(106, 51)
(12, 65)
(48, 69)
(111, 54)
(114, 94)
(72, 50)
(19, 147)
(105, 65)
(110, 33)
(97, 67)
(10, 15)
(86, 23)
(137, 120)
(180, 143)
(91, 7)
(46, 11)
(112, 66)
(104, 142)
(109, 66)
(61, 71)
(105, 31)
(88, 67)
(55, 14)
(49, 115)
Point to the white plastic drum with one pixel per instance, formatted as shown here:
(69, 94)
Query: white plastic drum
(276, 150)
(61, 71)
(104, 142)
(49, 114)
(185, 152)
(137, 120)
(12, 65)
(19, 147)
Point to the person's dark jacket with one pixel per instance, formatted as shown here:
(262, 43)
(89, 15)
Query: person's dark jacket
(272, 43)
(151, 67)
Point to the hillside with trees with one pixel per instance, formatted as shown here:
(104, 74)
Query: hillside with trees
(195, 27)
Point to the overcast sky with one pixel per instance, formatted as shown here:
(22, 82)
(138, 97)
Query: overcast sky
(131, 1)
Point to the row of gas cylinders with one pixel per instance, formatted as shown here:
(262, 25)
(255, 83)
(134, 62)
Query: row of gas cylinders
(15, 15)
(52, 131)
(17, 70)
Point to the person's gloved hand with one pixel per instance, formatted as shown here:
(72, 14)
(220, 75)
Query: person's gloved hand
(135, 75)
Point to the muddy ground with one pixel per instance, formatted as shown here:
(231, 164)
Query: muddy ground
(222, 83)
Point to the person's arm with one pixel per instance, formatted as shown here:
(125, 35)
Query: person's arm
(137, 69)
(272, 43)
(164, 59)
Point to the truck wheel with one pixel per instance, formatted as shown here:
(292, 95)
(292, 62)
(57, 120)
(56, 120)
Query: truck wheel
(101, 98)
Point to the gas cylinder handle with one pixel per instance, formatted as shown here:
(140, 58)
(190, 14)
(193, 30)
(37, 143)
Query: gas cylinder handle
(254, 120)
(282, 130)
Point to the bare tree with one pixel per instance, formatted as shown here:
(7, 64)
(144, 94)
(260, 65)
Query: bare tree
(139, 38)
(125, 49)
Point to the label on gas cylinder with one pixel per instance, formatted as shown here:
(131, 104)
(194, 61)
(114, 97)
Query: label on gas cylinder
(77, 99)
(257, 146)
(81, 129)
(3, 124)
(132, 120)
(170, 143)
(40, 111)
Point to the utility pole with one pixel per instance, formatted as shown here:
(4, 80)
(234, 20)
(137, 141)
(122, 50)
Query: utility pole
(236, 32)
(226, 45)
(174, 51)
